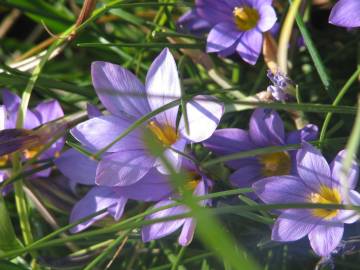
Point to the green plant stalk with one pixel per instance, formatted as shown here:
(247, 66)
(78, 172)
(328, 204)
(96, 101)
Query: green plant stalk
(337, 100)
(178, 258)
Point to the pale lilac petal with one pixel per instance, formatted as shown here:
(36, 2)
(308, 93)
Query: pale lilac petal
(123, 168)
(97, 199)
(117, 210)
(249, 46)
(266, 128)
(77, 167)
(98, 132)
(221, 37)
(247, 172)
(48, 111)
(313, 167)
(154, 186)
(350, 216)
(11, 101)
(214, 11)
(187, 232)
(307, 133)
(346, 13)
(325, 238)
(174, 158)
(336, 167)
(119, 90)
(204, 114)
(267, 17)
(31, 120)
(228, 141)
(292, 225)
(162, 229)
(163, 86)
(92, 111)
(282, 189)
(2, 117)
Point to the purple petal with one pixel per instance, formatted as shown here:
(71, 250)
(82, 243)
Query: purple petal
(266, 128)
(292, 225)
(119, 90)
(98, 132)
(204, 114)
(282, 189)
(267, 17)
(92, 111)
(162, 229)
(214, 11)
(48, 111)
(249, 46)
(221, 37)
(313, 168)
(308, 133)
(346, 13)
(163, 86)
(77, 167)
(152, 187)
(2, 117)
(98, 198)
(123, 168)
(117, 210)
(228, 141)
(174, 158)
(191, 22)
(248, 170)
(11, 101)
(187, 232)
(325, 238)
(336, 167)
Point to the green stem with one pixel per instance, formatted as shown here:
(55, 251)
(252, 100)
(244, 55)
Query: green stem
(178, 258)
(337, 100)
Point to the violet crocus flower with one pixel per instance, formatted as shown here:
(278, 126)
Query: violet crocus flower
(346, 13)
(283, 86)
(265, 129)
(317, 183)
(127, 100)
(44, 112)
(80, 169)
(237, 26)
(200, 185)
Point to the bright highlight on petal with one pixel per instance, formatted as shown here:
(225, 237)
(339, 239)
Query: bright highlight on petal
(274, 164)
(166, 134)
(246, 18)
(326, 195)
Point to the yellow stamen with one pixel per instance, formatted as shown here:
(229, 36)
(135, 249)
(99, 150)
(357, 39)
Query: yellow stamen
(166, 134)
(3, 160)
(274, 164)
(31, 152)
(246, 18)
(193, 181)
(326, 195)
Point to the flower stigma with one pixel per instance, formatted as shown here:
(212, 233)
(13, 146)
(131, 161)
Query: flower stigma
(246, 18)
(326, 195)
(166, 134)
(275, 164)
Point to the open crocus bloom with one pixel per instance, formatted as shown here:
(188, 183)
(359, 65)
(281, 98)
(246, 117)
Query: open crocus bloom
(317, 183)
(125, 97)
(200, 185)
(237, 26)
(43, 113)
(346, 13)
(265, 129)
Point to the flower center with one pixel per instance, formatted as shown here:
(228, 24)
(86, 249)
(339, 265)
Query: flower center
(274, 164)
(166, 134)
(31, 152)
(245, 17)
(326, 195)
(3, 160)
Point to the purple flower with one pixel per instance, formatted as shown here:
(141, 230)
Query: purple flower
(282, 86)
(317, 183)
(346, 13)
(44, 112)
(82, 170)
(191, 22)
(237, 26)
(126, 98)
(266, 129)
(200, 185)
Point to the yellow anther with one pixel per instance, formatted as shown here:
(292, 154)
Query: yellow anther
(246, 18)
(326, 195)
(166, 134)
